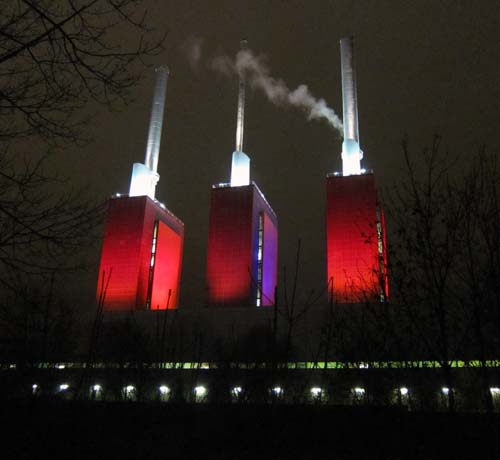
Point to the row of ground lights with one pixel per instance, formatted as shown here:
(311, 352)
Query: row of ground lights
(201, 391)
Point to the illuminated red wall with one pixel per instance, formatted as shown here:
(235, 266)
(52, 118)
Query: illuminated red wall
(167, 268)
(233, 245)
(353, 260)
(126, 253)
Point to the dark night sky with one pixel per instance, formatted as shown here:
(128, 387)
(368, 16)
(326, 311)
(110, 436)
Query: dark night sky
(422, 66)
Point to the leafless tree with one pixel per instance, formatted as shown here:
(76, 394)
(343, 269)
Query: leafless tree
(425, 249)
(445, 257)
(45, 232)
(56, 56)
(59, 60)
(479, 270)
(41, 223)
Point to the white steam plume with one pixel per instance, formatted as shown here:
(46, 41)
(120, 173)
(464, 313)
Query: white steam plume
(256, 73)
(192, 47)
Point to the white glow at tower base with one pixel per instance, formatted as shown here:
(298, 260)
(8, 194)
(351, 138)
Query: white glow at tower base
(351, 158)
(240, 169)
(143, 181)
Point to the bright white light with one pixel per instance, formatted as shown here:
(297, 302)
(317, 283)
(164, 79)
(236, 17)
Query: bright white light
(34, 387)
(97, 388)
(364, 366)
(236, 391)
(359, 391)
(60, 366)
(129, 389)
(445, 390)
(316, 391)
(240, 169)
(403, 391)
(143, 181)
(277, 391)
(495, 390)
(363, 170)
(63, 387)
(118, 195)
(351, 157)
(200, 391)
(164, 389)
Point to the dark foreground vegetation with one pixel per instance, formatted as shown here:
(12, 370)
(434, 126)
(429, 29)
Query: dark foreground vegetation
(77, 430)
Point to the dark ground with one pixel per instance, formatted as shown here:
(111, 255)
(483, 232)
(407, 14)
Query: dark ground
(69, 430)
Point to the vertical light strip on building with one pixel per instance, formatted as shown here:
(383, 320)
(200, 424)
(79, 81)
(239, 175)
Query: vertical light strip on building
(259, 260)
(152, 265)
(381, 258)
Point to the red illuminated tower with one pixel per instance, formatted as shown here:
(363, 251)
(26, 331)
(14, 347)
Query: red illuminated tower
(242, 256)
(355, 227)
(142, 250)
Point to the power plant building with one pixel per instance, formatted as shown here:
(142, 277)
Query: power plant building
(355, 227)
(242, 255)
(141, 255)
(142, 250)
(242, 247)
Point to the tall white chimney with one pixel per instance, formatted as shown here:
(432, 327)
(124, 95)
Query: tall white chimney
(145, 176)
(351, 153)
(240, 165)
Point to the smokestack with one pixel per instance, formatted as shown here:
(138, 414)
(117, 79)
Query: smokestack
(145, 176)
(240, 166)
(240, 116)
(156, 121)
(351, 153)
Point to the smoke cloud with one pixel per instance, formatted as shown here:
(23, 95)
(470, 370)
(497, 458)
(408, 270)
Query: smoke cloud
(192, 47)
(257, 74)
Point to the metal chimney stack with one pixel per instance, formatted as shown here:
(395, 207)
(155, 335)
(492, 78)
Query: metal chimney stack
(351, 153)
(240, 165)
(145, 176)
(240, 116)
(156, 121)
